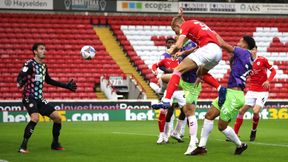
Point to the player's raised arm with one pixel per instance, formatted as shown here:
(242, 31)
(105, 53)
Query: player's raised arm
(71, 85)
(224, 44)
(186, 52)
(178, 45)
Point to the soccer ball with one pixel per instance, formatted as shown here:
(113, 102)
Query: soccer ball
(87, 52)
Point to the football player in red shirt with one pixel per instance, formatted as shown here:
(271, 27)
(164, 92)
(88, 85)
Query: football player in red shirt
(257, 93)
(205, 58)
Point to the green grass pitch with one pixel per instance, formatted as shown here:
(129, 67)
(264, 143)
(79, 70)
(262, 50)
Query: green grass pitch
(136, 142)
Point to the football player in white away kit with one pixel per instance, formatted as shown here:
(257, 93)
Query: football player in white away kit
(178, 97)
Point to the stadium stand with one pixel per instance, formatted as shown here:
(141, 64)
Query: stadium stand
(143, 40)
(140, 37)
(64, 35)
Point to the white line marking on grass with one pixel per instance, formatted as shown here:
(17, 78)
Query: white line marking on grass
(260, 143)
(268, 144)
(2, 160)
(137, 134)
(255, 143)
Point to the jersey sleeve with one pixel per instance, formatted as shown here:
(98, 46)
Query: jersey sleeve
(164, 56)
(237, 51)
(184, 29)
(154, 67)
(53, 82)
(23, 74)
(267, 64)
(192, 44)
(161, 65)
(161, 62)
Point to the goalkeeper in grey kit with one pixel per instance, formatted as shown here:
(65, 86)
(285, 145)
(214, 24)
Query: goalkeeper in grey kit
(32, 77)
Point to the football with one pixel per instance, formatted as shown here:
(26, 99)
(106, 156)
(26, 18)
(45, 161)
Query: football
(87, 52)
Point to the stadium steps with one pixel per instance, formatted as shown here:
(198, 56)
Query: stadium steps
(115, 51)
(100, 95)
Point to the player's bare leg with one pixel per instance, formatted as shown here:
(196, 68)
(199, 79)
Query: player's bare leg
(186, 65)
(239, 119)
(55, 116)
(256, 117)
(193, 126)
(28, 132)
(161, 86)
(209, 79)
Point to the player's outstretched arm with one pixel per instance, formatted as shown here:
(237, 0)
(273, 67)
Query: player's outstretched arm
(71, 85)
(178, 45)
(224, 44)
(187, 52)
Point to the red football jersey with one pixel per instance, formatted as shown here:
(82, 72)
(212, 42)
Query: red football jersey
(259, 74)
(198, 32)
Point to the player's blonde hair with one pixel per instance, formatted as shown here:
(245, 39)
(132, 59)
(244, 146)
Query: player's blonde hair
(177, 20)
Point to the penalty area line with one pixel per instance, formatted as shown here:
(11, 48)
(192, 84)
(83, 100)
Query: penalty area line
(260, 143)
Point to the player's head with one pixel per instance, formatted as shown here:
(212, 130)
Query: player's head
(176, 23)
(169, 42)
(254, 52)
(246, 42)
(39, 50)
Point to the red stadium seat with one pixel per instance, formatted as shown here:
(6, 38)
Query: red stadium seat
(63, 40)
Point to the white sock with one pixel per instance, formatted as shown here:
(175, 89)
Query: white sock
(167, 129)
(206, 130)
(179, 126)
(182, 131)
(193, 125)
(161, 85)
(171, 123)
(230, 134)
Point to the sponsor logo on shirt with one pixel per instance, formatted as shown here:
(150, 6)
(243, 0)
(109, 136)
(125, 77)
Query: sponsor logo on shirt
(39, 78)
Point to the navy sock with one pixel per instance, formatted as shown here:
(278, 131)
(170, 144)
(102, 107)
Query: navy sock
(56, 132)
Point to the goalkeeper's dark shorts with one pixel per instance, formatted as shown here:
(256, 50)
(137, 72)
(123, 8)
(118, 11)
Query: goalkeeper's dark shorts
(40, 106)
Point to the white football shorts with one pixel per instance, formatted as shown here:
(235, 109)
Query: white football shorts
(253, 98)
(208, 56)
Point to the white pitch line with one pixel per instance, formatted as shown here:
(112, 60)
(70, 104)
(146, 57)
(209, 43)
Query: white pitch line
(256, 143)
(260, 143)
(137, 134)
